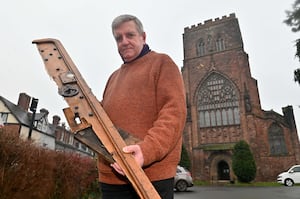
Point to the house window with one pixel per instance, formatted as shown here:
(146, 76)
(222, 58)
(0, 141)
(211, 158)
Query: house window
(200, 47)
(62, 135)
(220, 44)
(83, 147)
(276, 140)
(217, 102)
(3, 118)
(76, 144)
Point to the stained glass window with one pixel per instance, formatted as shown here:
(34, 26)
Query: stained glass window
(217, 102)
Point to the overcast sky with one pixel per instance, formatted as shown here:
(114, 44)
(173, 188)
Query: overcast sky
(83, 27)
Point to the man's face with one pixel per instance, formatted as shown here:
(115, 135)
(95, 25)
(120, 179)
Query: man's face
(129, 41)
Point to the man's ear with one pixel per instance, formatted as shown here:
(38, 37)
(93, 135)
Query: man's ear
(144, 37)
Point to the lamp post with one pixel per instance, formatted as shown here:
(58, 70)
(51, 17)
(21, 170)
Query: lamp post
(33, 106)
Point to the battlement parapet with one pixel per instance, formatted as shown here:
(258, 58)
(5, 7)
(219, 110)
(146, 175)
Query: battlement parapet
(209, 23)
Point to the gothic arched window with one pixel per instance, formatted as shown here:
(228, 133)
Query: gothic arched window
(220, 44)
(217, 102)
(200, 47)
(276, 140)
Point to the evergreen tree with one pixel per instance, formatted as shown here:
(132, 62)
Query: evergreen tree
(293, 20)
(243, 163)
(184, 159)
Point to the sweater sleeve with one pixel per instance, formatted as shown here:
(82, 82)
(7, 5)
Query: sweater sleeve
(166, 131)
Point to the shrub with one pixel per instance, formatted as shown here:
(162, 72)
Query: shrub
(184, 159)
(27, 171)
(243, 163)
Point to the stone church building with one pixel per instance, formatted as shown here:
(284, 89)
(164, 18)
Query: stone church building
(224, 107)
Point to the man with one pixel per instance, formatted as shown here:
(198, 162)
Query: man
(145, 97)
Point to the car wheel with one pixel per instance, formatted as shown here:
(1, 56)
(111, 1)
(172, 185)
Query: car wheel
(288, 182)
(181, 185)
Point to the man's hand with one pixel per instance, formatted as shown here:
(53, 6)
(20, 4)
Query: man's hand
(136, 151)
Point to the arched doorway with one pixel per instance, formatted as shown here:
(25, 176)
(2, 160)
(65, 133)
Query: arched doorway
(223, 171)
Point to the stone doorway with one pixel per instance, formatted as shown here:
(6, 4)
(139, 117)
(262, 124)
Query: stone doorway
(223, 170)
(220, 166)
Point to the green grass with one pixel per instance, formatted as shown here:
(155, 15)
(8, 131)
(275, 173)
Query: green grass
(238, 184)
(257, 184)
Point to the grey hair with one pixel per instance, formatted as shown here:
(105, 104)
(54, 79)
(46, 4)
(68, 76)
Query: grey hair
(125, 18)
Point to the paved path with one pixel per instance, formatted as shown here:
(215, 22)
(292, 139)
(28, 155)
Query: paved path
(202, 192)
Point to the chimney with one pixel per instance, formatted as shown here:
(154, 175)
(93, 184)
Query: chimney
(55, 120)
(24, 101)
(44, 111)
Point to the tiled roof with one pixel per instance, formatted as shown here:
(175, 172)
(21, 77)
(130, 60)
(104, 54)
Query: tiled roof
(22, 116)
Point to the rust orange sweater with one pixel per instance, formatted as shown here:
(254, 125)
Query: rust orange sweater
(146, 97)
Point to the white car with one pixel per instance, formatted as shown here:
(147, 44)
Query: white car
(183, 179)
(290, 177)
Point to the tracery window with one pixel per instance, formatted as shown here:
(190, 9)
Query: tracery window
(200, 47)
(217, 102)
(276, 140)
(220, 44)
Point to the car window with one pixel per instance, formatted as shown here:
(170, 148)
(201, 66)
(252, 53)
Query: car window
(185, 170)
(296, 169)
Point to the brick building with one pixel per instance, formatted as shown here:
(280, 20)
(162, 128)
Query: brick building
(54, 136)
(224, 106)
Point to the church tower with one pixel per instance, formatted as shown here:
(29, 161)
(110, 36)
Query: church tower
(224, 106)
